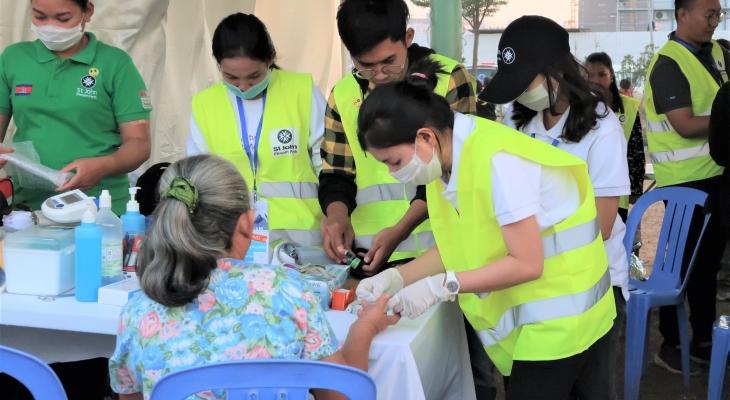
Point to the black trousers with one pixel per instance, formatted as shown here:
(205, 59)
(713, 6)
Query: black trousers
(702, 284)
(482, 368)
(613, 352)
(586, 375)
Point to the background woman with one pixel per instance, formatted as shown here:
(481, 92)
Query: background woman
(600, 72)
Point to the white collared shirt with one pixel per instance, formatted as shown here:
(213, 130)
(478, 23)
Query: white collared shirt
(550, 194)
(604, 150)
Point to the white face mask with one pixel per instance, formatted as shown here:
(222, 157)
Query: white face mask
(536, 99)
(58, 39)
(417, 172)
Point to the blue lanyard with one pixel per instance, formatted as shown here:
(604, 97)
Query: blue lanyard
(555, 142)
(253, 157)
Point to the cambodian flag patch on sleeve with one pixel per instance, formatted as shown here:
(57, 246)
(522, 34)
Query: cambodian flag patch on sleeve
(23, 89)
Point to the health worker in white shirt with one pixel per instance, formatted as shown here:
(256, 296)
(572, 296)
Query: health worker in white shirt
(526, 261)
(269, 123)
(553, 102)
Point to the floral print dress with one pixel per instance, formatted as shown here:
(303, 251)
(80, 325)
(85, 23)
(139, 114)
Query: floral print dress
(247, 312)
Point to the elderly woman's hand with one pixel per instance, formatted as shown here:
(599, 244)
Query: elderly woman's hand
(375, 315)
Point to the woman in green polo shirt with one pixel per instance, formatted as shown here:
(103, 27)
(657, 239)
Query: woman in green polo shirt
(82, 103)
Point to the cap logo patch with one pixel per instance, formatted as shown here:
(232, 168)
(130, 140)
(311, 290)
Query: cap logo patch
(508, 55)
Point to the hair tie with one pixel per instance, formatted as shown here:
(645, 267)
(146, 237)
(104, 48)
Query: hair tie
(419, 75)
(182, 190)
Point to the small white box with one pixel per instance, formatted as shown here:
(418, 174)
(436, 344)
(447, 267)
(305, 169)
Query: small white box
(39, 261)
(118, 293)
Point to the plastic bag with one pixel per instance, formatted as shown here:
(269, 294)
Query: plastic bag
(637, 269)
(27, 172)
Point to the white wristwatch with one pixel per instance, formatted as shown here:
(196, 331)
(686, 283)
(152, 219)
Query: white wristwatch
(452, 284)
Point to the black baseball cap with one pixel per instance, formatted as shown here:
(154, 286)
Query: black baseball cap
(526, 46)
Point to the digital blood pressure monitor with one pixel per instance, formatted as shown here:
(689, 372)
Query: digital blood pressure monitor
(67, 207)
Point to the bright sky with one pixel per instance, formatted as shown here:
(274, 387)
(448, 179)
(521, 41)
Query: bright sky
(558, 10)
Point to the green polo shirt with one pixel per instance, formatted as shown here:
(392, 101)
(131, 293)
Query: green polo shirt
(71, 108)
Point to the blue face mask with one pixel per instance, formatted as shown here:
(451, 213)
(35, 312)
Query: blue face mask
(252, 92)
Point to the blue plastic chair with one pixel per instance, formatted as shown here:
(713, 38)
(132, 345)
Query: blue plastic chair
(665, 286)
(718, 361)
(36, 375)
(266, 380)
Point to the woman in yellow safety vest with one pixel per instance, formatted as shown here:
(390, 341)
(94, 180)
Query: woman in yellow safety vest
(268, 122)
(526, 261)
(626, 108)
(553, 102)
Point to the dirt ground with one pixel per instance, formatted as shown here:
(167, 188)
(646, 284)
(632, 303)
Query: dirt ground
(657, 383)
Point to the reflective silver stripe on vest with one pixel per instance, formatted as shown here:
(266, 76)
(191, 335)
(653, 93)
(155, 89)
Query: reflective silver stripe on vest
(294, 190)
(425, 241)
(570, 239)
(298, 236)
(384, 192)
(545, 310)
(681, 154)
(567, 240)
(665, 126)
(659, 126)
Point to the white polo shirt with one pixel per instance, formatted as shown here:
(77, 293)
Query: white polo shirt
(550, 194)
(604, 150)
(253, 110)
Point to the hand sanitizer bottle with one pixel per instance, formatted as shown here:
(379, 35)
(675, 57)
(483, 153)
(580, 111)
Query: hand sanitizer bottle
(133, 224)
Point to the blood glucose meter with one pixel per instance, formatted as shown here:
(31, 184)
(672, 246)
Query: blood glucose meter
(67, 207)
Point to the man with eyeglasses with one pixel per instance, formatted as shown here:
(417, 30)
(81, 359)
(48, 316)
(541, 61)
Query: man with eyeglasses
(364, 207)
(683, 78)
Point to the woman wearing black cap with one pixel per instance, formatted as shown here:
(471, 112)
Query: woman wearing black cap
(554, 103)
(526, 261)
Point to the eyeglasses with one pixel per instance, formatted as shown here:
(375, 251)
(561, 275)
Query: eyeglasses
(715, 16)
(389, 69)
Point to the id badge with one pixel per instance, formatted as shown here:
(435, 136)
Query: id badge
(258, 252)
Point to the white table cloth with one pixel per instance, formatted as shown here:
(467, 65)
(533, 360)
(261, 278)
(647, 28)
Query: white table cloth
(426, 358)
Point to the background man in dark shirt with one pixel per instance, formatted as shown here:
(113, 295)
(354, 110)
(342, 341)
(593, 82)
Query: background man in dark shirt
(680, 120)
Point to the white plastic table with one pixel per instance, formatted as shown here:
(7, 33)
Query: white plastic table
(426, 358)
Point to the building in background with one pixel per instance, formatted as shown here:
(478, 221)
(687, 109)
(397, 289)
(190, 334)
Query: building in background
(631, 15)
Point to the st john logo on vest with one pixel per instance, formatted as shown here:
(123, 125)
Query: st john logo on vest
(284, 142)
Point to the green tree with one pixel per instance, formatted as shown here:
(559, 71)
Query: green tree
(642, 63)
(628, 67)
(474, 12)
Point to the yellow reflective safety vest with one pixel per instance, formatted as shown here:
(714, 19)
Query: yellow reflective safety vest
(285, 177)
(571, 305)
(676, 159)
(381, 199)
(628, 119)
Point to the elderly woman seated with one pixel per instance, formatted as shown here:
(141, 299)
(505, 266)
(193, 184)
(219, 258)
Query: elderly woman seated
(201, 304)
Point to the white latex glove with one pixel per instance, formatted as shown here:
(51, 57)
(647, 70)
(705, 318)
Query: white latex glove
(417, 298)
(387, 282)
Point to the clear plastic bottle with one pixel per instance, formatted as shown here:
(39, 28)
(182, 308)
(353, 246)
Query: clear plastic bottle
(111, 243)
